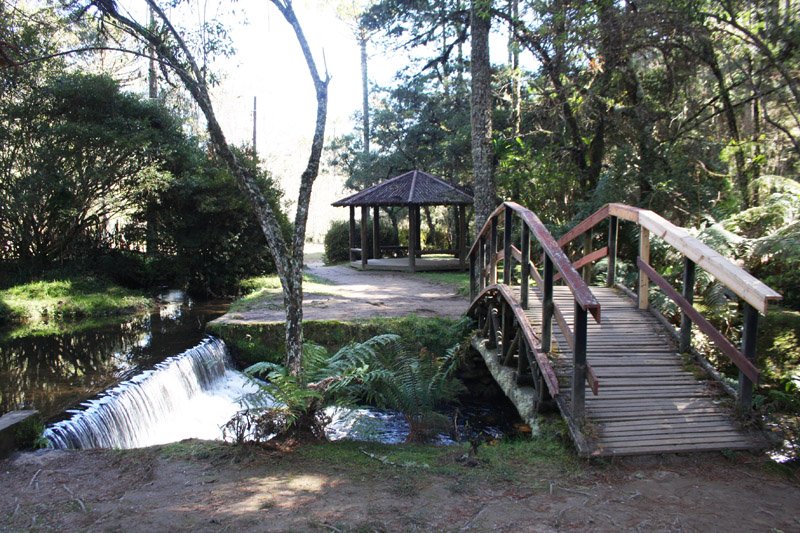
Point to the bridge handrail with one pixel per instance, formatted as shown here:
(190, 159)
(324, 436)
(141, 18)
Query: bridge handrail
(580, 290)
(484, 257)
(738, 280)
(752, 291)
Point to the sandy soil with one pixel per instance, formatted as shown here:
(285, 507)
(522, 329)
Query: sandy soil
(256, 490)
(353, 294)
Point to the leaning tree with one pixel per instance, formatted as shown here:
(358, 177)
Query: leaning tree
(176, 56)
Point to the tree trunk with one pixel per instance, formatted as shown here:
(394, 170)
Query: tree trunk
(362, 44)
(481, 113)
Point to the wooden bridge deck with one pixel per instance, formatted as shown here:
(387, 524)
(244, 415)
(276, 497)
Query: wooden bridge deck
(649, 400)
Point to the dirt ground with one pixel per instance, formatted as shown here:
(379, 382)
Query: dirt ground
(353, 294)
(226, 489)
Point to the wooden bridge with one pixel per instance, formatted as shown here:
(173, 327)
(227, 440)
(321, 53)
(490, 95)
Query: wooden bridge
(618, 371)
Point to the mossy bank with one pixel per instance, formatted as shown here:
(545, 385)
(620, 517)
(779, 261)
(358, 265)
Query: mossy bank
(251, 342)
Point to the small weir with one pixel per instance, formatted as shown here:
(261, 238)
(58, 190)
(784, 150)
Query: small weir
(194, 394)
(188, 395)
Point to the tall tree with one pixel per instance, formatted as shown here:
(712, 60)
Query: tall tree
(481, 112)
(177, 56)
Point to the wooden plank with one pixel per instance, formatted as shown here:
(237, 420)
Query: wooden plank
(663, 448)
(586, 259)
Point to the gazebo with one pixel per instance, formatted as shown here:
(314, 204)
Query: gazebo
(413, 190)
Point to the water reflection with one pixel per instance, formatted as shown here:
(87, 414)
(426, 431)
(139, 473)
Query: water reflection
(55, 370)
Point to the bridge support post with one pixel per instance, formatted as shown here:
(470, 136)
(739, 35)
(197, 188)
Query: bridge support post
(547, 304)
(613, 227)
(526, 266)
(579, 364)
(688, 293)
(749, 350)
(508, 260)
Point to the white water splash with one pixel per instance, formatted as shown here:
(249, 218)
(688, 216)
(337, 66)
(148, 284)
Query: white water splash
(191, 395)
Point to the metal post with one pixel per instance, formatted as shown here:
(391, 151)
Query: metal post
(547, 304)
(613, 229)
(364, 252)
(526, 265)
(376, 232)
(508, 260)
(749, 331)
(688, 293)
(579, 364)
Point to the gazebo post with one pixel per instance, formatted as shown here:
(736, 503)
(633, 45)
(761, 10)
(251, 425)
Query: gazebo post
(352, 232)
(364, 215)
(376, 232)
(418, 234)
(462, 233)
(413, 230)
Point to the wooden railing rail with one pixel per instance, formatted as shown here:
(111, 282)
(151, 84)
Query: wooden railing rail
(754, 294)
(486, 254)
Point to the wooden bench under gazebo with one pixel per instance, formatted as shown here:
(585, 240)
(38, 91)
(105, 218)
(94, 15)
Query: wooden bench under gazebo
(413, 190)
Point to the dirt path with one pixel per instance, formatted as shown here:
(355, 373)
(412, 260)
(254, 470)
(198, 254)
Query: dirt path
(352, 294)
(220, 489)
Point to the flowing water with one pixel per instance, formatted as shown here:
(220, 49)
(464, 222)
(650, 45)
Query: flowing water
(190, 395)
(53, 370)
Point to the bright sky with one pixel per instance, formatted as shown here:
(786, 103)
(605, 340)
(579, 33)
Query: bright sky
(269, 65)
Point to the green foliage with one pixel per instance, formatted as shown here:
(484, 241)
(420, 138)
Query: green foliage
(289, 405)
(29, 434)
(414, 384)
(337, 239)
(74, 148)
(201, 226)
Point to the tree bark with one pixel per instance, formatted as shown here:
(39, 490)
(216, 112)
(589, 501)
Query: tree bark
(173, 51)
(362, 44)
(481, 113)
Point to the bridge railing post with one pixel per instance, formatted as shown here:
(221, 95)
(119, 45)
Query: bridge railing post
(688, 294)
(613, 228)
(493, 252)
(482, 263)
(749, 350)
(526, 266)
(473, 285)
(508, 260)
(579, 363)
(644, 254)
(587, 249)
(547, 304)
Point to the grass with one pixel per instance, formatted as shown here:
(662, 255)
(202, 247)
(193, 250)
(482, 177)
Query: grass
(515, 461)
(68, 299)
(460, 280)
(262, 291)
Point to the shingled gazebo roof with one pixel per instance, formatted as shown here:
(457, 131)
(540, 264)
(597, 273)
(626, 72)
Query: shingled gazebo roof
(412, 188)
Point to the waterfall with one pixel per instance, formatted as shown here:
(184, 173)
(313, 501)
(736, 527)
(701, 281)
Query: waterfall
(188, 395)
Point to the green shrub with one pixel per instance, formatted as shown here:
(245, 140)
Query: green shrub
(337, 240)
